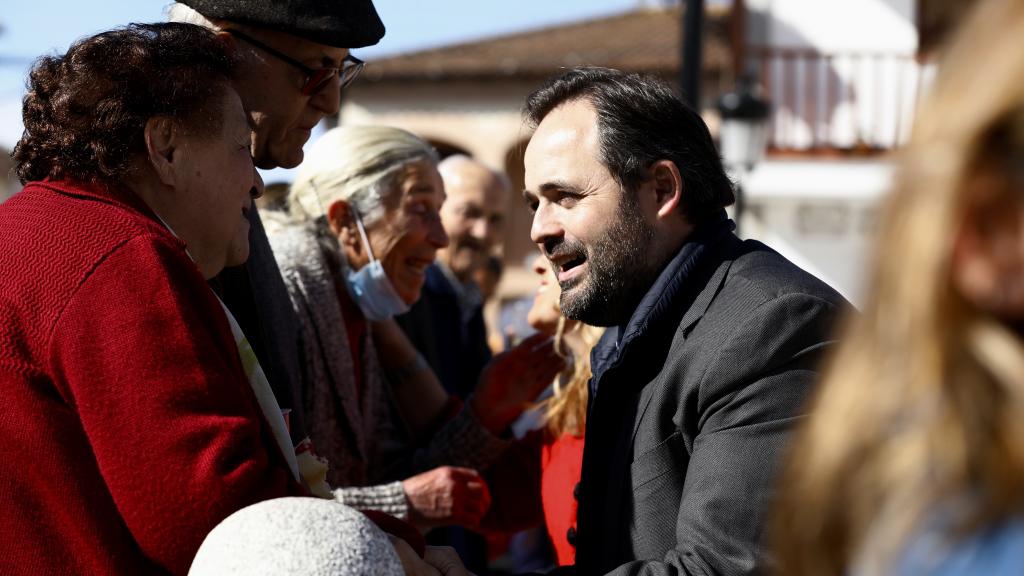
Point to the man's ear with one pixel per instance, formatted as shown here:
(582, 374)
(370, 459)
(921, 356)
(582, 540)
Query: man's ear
(667, 185)
(161, 143)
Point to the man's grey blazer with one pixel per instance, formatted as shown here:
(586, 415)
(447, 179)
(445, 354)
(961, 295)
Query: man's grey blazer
(691, 406)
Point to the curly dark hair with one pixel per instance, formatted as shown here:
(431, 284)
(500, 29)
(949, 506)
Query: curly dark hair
(640, 121)
(85, 112)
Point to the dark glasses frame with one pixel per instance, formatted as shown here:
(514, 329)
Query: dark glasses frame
(316, 78)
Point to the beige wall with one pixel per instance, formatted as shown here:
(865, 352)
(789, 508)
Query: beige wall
(481, 118)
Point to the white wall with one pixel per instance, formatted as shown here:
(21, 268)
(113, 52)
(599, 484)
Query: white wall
(822, 215)
(838, 25)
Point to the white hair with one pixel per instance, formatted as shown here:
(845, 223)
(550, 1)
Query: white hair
(179, 12)
(358, 164)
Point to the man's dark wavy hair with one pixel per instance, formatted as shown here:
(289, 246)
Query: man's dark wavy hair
(85, 111)
(640, 121)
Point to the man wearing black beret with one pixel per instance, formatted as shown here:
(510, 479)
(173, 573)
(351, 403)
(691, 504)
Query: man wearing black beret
(293, 62)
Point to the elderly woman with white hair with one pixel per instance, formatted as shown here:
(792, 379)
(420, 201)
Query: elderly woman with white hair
(363, 227)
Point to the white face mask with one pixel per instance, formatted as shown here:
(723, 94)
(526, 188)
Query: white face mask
(370, 287)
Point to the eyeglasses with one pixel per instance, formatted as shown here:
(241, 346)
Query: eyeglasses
(316, 79)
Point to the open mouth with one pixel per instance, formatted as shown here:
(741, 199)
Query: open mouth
(418, 265)
(570, 270)
(570, 264)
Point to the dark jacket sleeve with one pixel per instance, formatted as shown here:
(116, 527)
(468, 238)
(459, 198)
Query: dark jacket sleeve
(750, 397)
(477, 354)
(257, 296)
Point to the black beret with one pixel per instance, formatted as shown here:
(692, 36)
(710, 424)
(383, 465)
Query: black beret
(339, 23)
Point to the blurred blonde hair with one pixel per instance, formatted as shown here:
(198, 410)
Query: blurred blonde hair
(920, 417)
(565, 411)
(358, 164)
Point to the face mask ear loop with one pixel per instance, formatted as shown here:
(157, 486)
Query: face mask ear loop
(362, 234)
(359, 221)
(319, 201)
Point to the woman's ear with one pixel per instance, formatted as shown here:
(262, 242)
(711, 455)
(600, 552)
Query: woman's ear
(667, 186)
(343, 224)
(161, 143)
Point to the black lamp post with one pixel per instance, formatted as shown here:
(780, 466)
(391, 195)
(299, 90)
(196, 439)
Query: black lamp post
(743, 132)
(692, 45)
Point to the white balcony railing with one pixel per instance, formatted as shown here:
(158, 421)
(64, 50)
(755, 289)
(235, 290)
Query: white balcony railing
(856, 102)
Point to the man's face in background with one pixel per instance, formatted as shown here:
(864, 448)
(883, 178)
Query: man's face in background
(473, 215)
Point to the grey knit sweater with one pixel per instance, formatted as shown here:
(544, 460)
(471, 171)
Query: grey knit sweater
(360, 434)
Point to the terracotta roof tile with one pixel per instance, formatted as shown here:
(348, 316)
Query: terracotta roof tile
(647, 39)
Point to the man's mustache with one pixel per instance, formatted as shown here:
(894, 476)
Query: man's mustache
(564, 251)
(469, 243)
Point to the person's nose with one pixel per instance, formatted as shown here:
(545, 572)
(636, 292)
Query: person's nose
(540, 265)
(257, 184)
(481, 230)
(436, 234)
(545, 225)
(328, 99)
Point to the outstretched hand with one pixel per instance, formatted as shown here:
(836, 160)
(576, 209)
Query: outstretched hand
(513, 379)
(447, 495)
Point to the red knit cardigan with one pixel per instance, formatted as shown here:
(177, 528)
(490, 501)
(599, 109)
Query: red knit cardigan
(128, 429)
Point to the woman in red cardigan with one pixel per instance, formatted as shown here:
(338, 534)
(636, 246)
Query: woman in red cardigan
(537, 478)
(130, 427)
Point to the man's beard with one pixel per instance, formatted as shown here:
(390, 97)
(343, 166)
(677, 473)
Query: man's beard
(618, 270)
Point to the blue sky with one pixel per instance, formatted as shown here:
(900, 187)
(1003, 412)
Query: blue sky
(38, 27)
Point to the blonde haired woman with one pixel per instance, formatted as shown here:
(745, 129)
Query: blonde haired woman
(912, 461)
(363, 228)
(537, 480)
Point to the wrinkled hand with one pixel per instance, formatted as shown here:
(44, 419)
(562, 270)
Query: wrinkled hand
(446, 561)
(445, 496)
(513, 379)
(412, 564)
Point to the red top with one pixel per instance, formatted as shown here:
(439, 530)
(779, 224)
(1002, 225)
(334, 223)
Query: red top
(561, 462)
(128, 428)
(534, 481)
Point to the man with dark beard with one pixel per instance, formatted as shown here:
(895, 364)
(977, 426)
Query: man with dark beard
(713, 341)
